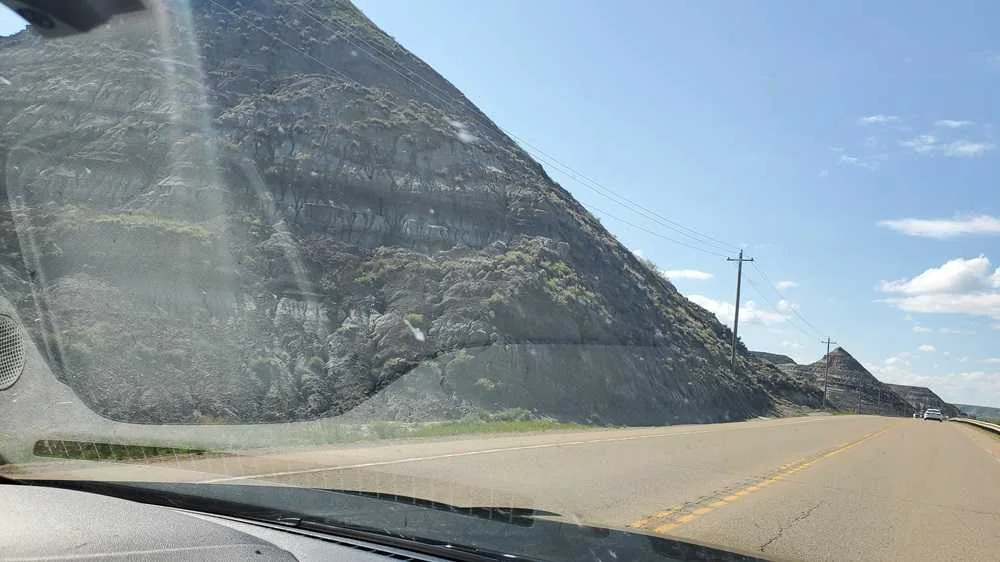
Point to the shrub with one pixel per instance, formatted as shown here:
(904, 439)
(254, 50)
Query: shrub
(486, 384)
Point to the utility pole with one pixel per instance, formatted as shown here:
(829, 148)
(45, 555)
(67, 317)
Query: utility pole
(826, 377)
(736, 316)
(860, 382)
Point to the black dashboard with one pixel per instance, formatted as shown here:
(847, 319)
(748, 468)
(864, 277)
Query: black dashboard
(83, 520)
(41, 523)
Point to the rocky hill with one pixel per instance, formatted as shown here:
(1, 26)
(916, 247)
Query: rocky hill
(920, 398)
(267, 210)
(983, 412)
(847, 376)
(773, 358)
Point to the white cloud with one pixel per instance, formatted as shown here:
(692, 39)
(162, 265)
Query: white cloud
(901, 376)
(970, 387)
(898, 359)
(952, 123)
(995, 326)
(674, 274)
(877, 119)
(637, 252)
(955, 276)
(926, 348)
(920, 144)
(786, 306)
(857, 162)
(963, 359)
(926, 143)
(782, 285)
(926, 330)
(750, 313)
(978, 304)
(954, 331)
(944, 228)
(791, 344)
(960, 286)
(968, 149)
(896, 368)
(991, 360)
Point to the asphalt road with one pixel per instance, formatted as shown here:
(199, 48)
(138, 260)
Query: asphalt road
(813, 488)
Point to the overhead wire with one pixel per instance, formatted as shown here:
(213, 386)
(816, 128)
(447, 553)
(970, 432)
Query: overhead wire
(428, 87)
(771, 304)
(699, 241)
(774, 287)
(652, 232)
(280, 40)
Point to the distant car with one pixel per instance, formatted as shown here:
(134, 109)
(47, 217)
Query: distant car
(916, 415)
(933, 414)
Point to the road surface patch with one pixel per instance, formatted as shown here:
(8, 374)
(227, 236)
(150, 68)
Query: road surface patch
(558, 444)
(668, 520)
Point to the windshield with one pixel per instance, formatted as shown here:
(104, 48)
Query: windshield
(676, 270)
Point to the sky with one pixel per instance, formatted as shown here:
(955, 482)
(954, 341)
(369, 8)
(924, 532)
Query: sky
(849, 147)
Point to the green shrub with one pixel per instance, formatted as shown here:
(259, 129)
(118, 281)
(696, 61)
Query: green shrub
(486, 384)
(154, 222)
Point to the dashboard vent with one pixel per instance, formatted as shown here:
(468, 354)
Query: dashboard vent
(11, 352)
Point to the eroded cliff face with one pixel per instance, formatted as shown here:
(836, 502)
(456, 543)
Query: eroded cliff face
(920, 398)
(848, 379)
(267, 211)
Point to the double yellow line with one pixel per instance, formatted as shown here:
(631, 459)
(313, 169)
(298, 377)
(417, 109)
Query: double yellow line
(673, 517)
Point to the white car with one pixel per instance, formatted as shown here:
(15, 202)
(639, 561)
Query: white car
(933, 414)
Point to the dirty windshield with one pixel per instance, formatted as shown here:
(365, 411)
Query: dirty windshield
(721, 272)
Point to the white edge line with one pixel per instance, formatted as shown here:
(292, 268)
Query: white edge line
(485, 452)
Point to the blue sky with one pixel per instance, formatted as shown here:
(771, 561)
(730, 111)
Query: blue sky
(810, 134)
(789, 128)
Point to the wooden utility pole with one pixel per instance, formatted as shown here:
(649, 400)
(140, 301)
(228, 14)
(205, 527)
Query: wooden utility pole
(736, 315)
(860, 384)
(826, 376)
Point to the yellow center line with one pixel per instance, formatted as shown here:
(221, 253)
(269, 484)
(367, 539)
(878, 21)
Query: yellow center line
(668, 520)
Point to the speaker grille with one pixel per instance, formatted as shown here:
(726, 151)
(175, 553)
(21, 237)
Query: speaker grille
(11, 352)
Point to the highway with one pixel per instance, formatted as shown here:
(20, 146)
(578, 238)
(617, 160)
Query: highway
(808, 488)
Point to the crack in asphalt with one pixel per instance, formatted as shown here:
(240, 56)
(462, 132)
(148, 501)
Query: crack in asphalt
(791, 524)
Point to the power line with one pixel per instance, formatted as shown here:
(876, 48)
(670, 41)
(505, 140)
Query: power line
(770, 303)
(794, 311)
(695, 236)
(654, 233)
(792, 320)
(628, 203)
(539, 154)
(346, 78)
(623, 201)
(282, 41)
